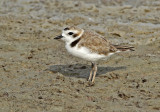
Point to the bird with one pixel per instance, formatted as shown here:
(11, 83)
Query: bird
(90, 46)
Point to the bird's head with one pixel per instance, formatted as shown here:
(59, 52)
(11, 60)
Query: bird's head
(69, 34)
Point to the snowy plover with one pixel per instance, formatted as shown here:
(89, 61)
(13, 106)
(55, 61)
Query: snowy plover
(89, 46)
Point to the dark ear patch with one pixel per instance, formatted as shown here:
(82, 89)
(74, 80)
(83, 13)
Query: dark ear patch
(74, 43)
(75, 35)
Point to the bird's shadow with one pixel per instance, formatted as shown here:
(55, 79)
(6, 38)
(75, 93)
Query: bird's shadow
(80, 70)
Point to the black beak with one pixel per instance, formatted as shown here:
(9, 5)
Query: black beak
(58, 37)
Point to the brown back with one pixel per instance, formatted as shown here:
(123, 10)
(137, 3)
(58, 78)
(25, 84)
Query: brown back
(96, 43)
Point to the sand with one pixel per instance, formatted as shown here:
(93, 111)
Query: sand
(38, 75)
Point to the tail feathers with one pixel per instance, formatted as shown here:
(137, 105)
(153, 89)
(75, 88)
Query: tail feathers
(124, 48)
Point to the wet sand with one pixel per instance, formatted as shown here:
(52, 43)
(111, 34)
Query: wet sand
(38, 75)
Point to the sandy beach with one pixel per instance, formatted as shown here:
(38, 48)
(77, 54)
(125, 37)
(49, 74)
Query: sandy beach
(37, 74)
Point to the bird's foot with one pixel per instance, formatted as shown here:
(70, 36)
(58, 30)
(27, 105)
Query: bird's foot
(89, 80)
(90, 83)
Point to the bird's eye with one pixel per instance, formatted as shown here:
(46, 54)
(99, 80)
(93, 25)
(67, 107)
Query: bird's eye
(70, 33)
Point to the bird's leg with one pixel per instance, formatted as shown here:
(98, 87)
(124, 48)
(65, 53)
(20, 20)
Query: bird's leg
(90, 76)
(95, 71)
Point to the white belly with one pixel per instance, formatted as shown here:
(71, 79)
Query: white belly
(84, 53)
